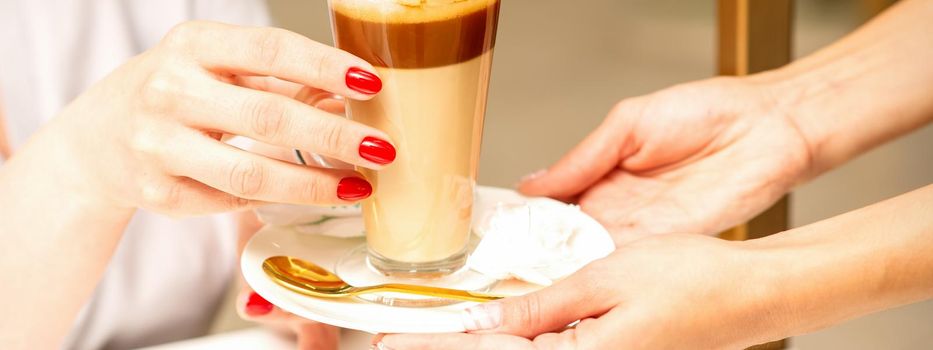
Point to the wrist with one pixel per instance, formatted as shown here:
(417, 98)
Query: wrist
(769, 304)
(812, 280)
(800, 96)
(56, 154)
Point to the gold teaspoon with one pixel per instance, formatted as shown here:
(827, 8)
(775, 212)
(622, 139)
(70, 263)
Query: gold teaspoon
(306, 278)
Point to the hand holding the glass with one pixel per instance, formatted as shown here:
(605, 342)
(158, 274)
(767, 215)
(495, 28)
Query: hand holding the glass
(204, 81)
(151, 135)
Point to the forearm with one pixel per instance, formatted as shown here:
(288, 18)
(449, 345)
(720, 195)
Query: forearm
(866, 89)
(864, 261)
(58, 239)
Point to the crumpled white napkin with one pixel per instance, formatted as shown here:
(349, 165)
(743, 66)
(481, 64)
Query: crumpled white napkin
(537, 240)
(540, 241)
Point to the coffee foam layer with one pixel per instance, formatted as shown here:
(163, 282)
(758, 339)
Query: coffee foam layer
(408, 11)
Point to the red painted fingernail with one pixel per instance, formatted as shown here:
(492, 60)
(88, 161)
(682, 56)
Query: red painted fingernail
(376, 150)
(353, 189)
(363, 81)
(257, 305)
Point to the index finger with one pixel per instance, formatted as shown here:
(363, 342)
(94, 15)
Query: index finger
(587, 163)
(276, 52)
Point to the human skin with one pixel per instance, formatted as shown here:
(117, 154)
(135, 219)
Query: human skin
(680, 291)
(149, 135)
(309, 335)
(704, 156)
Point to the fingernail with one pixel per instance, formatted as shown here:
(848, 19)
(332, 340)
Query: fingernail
(483, 316)
(377, 150)
(353, 189)
(362, 81)
(533, 176)
(257, 305)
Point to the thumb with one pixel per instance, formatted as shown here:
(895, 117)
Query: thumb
(600, 152)
(547, 310)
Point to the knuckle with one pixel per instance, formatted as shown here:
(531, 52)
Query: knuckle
(623, 114)
(332, 138)
(269, 46)
(313, 191)
(166, 194)
(621, 109)
(146, 143)
(160, 90)
(268, 118)
(529, 310)
(325, 62)
(247, 178)
(181, 34)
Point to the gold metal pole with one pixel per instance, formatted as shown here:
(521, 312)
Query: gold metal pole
(755, 35)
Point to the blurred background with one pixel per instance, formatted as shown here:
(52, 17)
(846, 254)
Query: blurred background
(560, 66)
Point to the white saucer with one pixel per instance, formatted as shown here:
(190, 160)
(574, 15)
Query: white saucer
(352, 313)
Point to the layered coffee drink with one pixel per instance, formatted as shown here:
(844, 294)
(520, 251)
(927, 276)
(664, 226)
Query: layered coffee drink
(434, 58)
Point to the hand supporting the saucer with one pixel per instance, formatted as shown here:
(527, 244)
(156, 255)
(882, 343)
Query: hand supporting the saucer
(704, 156)
(691, 291)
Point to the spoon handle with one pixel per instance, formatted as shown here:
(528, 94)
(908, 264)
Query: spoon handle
(436, 292)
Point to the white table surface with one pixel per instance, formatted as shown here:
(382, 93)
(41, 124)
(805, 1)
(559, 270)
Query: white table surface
(259, 338)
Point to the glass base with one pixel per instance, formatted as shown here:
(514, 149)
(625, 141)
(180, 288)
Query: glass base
(357, 268)
(428, 270)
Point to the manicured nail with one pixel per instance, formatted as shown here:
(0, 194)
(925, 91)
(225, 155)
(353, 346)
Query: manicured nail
(362, 81)
(257, 305)
(377, 150)
(483, 316)
(533, 176)
(353, 189)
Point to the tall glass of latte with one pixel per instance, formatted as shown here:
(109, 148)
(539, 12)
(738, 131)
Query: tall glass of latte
(434, 58)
